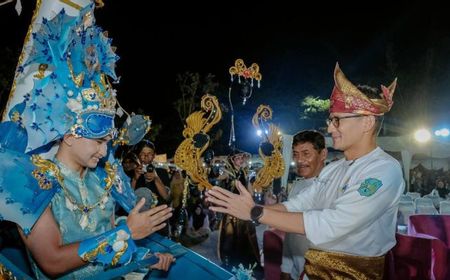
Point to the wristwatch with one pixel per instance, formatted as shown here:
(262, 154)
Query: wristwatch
(256, 213)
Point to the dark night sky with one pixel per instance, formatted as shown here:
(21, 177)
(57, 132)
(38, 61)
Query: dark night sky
(296, 49)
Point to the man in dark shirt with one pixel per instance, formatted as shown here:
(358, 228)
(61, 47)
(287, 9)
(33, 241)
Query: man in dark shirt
(146, 175)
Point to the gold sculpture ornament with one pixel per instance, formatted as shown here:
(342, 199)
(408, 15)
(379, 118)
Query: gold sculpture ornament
(240, 69)
(188, 154)
(269, 150)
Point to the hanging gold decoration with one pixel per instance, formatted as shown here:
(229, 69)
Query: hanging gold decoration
(241, 70)
(188, 154)
(269, 150)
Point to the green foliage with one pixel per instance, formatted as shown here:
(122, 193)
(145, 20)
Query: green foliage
(314, 105)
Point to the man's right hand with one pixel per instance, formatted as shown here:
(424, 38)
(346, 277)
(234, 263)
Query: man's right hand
(142, 224)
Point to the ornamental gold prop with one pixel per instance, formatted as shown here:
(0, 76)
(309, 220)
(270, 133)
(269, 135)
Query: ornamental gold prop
(188, 154)
(248, 75)
(269, 150)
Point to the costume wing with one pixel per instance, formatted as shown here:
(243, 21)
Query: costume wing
(25, 191)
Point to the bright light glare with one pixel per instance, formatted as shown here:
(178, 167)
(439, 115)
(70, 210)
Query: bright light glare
(259, 132)
(292, 163)
(422, 135)
(444, 132)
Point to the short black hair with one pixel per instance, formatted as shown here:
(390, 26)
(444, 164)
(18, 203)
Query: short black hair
(144, 143)
(310, 136)
(373, 93)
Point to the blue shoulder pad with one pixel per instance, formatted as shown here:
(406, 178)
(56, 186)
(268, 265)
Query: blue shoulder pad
(25, 191)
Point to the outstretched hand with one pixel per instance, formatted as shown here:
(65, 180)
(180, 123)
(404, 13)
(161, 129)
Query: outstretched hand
(237, 205)
(142, 224)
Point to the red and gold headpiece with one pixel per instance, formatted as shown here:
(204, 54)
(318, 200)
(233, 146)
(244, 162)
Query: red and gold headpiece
(347, 98)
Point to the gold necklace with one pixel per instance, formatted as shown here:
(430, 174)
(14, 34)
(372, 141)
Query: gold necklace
(48, 167)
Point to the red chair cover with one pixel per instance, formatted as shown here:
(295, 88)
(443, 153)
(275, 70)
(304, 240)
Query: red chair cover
(420, 257)
(273, 253)
(437, 226)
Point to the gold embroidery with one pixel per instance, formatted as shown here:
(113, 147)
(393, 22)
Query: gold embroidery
(71, 4)
(119, 254)
(77, 79)
(41, 71)
(91, 255)
(47, 167)
(333, 265)
(6, 274)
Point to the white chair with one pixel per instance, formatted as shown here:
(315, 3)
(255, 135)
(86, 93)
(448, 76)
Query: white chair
(444, 207)
(405, 197)
(413, 195)
(405, 209)
(435, 198)
(424, 205)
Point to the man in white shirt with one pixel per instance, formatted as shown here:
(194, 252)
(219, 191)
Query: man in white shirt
(350, 213)
(309, 154)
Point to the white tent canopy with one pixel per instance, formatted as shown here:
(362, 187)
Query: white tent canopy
(437, 152)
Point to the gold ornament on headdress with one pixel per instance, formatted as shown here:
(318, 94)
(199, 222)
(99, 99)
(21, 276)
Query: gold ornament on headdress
(273, 163)
(241, 70)
(187, 155)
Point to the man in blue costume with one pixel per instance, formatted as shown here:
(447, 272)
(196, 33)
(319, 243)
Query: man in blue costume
(64, 203)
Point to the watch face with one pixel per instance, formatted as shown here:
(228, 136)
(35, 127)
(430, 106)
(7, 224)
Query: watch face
(256, 212)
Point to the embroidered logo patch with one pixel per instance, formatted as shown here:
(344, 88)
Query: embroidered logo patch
(369, 187)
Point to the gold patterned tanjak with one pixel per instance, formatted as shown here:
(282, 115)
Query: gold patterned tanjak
(273, 162)
(347, 98)
(188, 154)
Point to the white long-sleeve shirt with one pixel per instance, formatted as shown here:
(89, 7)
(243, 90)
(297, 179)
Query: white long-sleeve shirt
(295, 245)
(352, 206)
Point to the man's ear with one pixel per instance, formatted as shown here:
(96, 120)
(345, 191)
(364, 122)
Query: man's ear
(369, 123)
(323, 154)
(68, 139)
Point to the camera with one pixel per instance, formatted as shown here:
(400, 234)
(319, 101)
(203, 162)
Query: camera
(149, 168)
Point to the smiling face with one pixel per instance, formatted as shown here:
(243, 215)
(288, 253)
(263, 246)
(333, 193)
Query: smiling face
(308, 160)
(85, 152)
